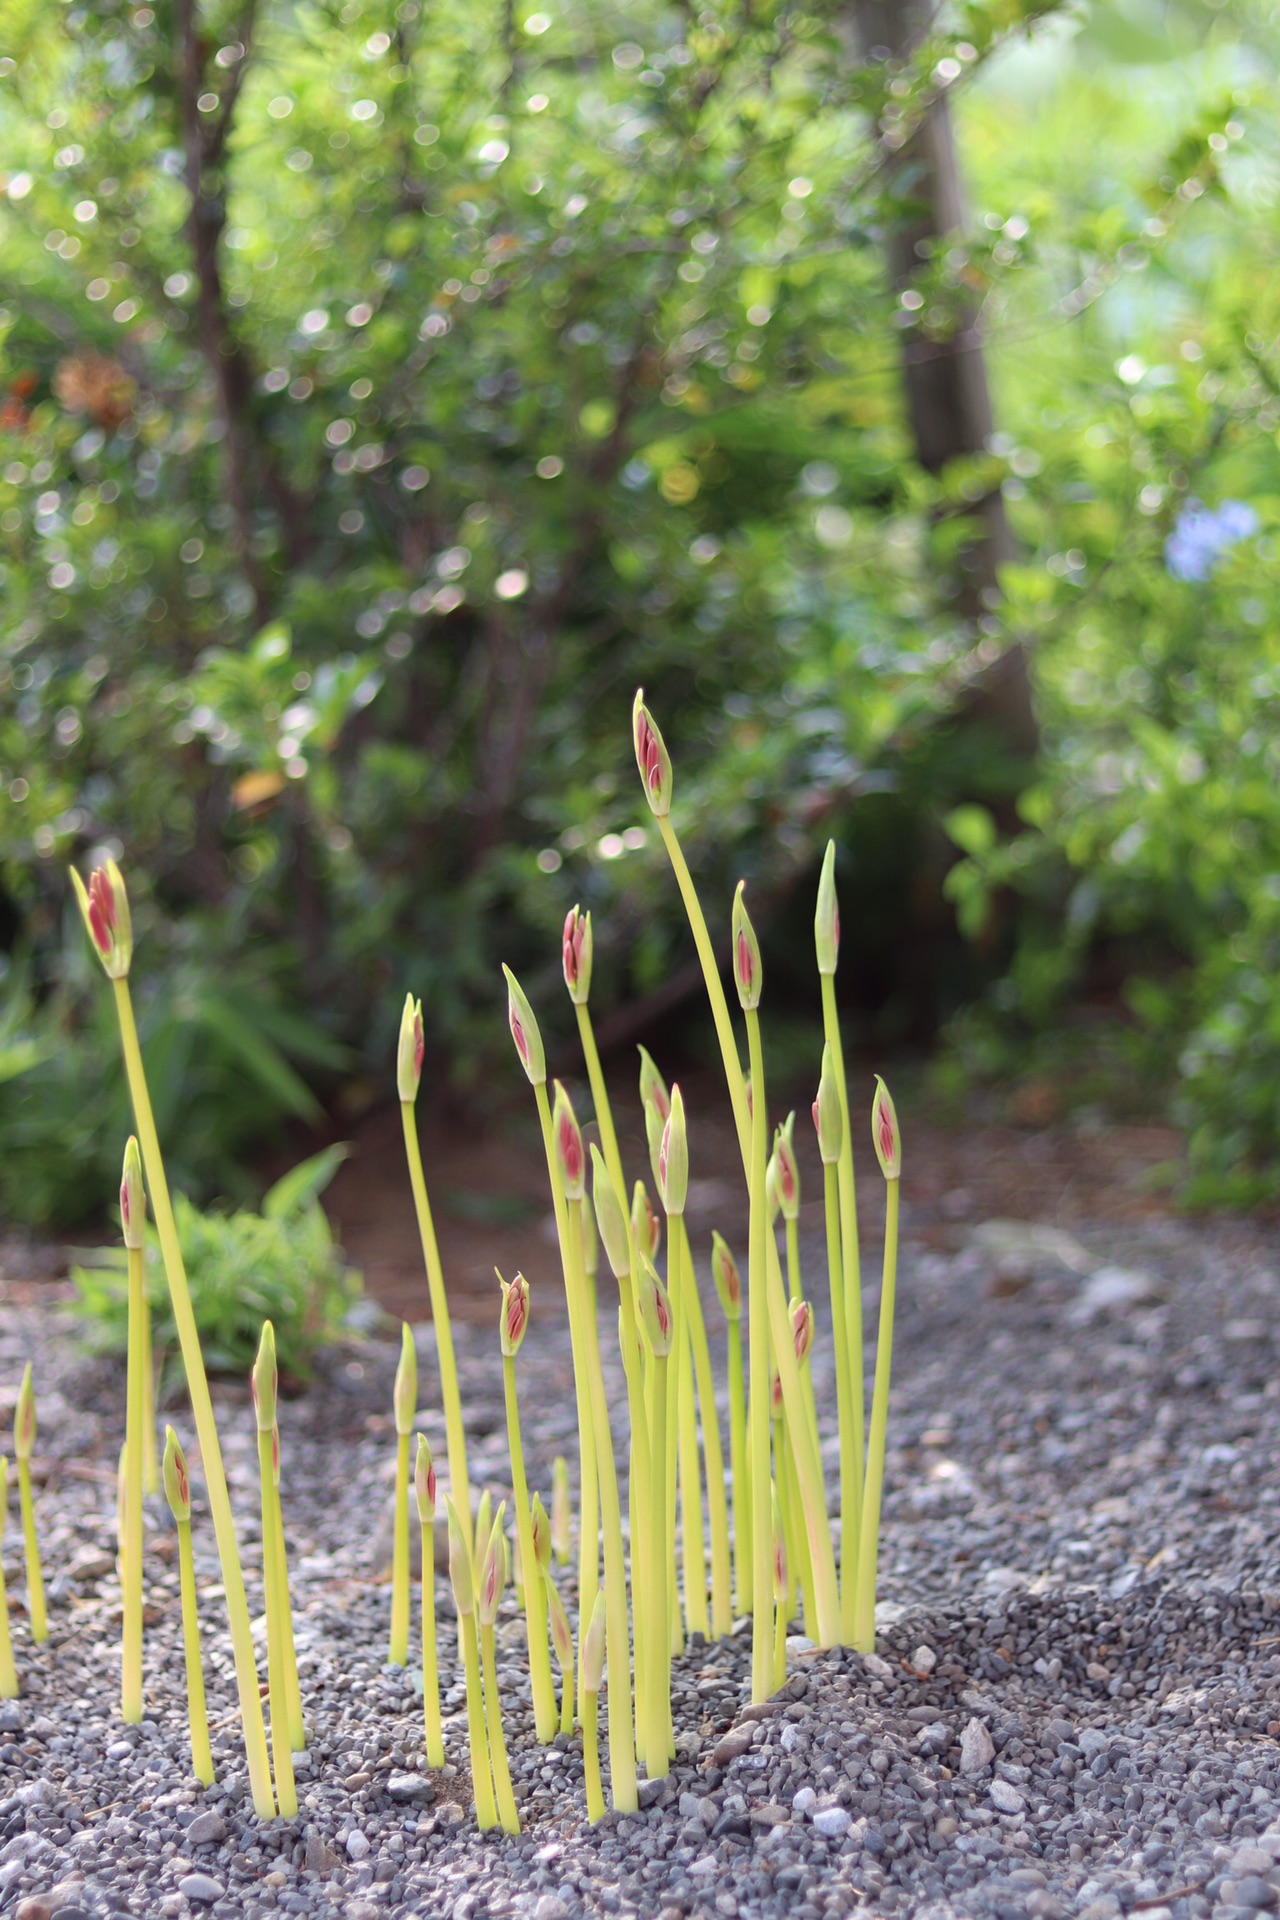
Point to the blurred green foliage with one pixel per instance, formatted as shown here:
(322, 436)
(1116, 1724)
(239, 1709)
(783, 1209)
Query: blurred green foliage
(391, 389)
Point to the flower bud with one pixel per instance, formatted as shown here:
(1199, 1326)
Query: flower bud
(484, 1519)
(561, 1634)
(404, 1397)
(133, 1197)
(748, 974)
(461, 1572)
(673, 1159)
(655, 1309)
(104, 905)
(826, 919)
(424, 1485)
(577, 955)
(884, 1132)
(264, 1380)
(610, 1219)
(493, 1571)
(652, 1085)
(827, 1121)
(570, 1157)
(591, 1653)
(541, 1533)
(177, 1486)
(788, 1172)
(800, 1314)
(514, 1321)
(524, 1031)
(653, 1125)
(724, 1271)
(410, 1051)
(652, 757)
(24, 1417)
(646, 1223)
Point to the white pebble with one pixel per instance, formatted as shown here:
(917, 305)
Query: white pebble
(924, 1659)
(1006, 1798)
(357, 1845)
(977, 1748)
(833, 1822)
(804, 1800)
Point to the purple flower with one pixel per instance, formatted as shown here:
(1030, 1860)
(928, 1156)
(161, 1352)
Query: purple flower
(1202, 535)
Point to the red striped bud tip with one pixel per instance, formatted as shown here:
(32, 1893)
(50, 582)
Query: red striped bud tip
(884, 1132)
(177, 1485)
(800, 1314)
(411, 1049)
(611, 1222)
(673, 1158)
(724, 1271)
(748, 975)
(571, 1159)
(461, 1571)
(514, 1321)
(493, 1571)
(646, 1223)
(561, 1633)
(104, 907)
(591, 1655)
(133, 1197)
(404, 1398)
(577, 955)
(424, 1482)
(652, 757)
(827, 1118)
(541, 1533)
(264, 1380)
(652, 1085)
(655, 1309)
(788, 1171)
(775, 1392)
(524, 1031)
(24, 1417)
(826, 918)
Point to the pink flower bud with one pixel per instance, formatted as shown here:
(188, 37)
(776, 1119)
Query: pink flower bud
(524, 1031)
(655, 1309)
(884, 1132)
(610, 1219)
(646, 1223)
(827, 1119)
(24, 1417)
(404, 1399)
(571, 1159)
(652, 1085)
(724, 1271)
(493, 1571)
(800, 1314)
(652, 757)
(177, 1485)
(591, 1655)
(133, 1197)
(775, 1392)
(826, 919)
(787, 1171)
(514, 1322)
(748, 974)
(577, 956)
(411, 1049)
(424, 1484)
(104, 906)
(264, 1380)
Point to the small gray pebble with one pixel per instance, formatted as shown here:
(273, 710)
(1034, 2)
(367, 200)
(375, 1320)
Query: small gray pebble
(206, 1828)
(1006, 1797)
(357, 1845)
(201, 1886)
(410, 1786)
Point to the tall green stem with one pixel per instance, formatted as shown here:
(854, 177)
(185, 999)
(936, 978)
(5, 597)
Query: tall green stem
(131, 1570)
(850, 1450)
(869, 1548)
(657, 1759)
(851, 1293)
(679, 1278)
(717, 1500)
(198, 1719)
(758, 1406)
(398, 1644)
(481, 1769)
(31, 1551)
(738, 1469)
(455, 1435)
(430, 1653)
(281, 1749)
(535, 1599)
(504, 1796)
(255, 1736)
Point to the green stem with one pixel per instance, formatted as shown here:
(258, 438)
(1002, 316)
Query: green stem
(506, 1800)
(738, 1469)
(201, 1758)
(535, 1600)
(8, 1672)
(292, 1691)
(481, 1778)
(131, 1545)
(150, 1457)
(255, 1736)
(679, 1276)
(430, 1653)
(850, 1461)
(788, 1519)
(398, 1645)
(758, 1406)
(715, 988)
(717, 1499)
(31, 1547)
(657, 1759)
(591, 1758)
(782, 1607)
(869, 1547)
(281, 1751)
(851, 1293)
(455, 1434)
(795, 1287)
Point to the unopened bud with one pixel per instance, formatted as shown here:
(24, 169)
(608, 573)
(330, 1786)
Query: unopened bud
(652, 757)
(591, 1656)
(570, 1157)
(411, 1049)
(404, 1398)
(133, 1197)
(800, 1314)
(541, 1533)
(724, 1271)
(514, 1321)
(826, 919)
(561, 1634)
(788, 1172)
(827, 1121)
(577, 955)
(610, 1219)
(652, 1085)
(646, 1222)
(655, 1309)
(104, 905)
(493, 1571)
(654, 1122)
(177, 1486)
(748, 974)
(461, 1572)
(884, 1132)
(24, 1417)
(264, 1381)
(673, 1159)
(424, 1484)
(524, 1031)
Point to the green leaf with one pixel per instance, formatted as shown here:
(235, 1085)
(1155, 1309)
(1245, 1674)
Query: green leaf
(304, 1183)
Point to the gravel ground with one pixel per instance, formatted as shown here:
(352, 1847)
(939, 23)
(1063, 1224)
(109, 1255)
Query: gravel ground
(1074, 1709)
